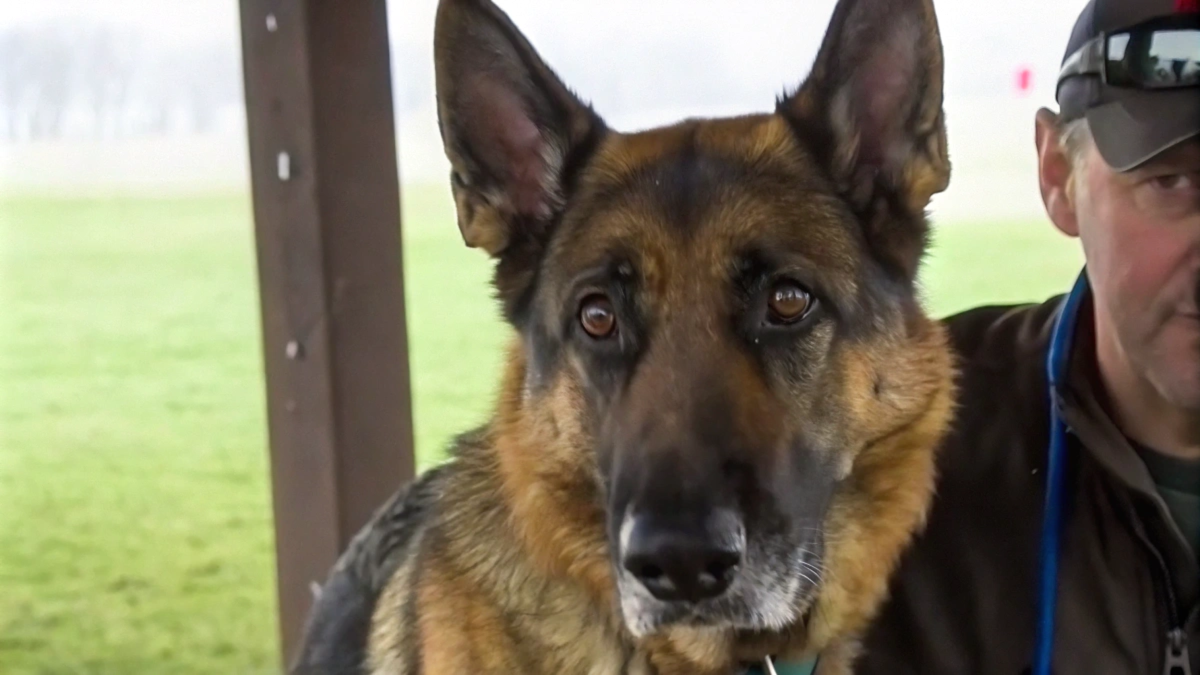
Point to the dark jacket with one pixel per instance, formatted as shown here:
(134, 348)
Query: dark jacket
(964, 598)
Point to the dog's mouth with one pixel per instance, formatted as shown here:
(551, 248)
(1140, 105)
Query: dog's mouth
(770, 590)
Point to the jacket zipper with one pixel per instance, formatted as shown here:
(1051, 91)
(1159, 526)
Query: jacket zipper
(1177, 660)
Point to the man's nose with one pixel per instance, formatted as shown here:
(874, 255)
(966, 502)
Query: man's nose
(686, 560)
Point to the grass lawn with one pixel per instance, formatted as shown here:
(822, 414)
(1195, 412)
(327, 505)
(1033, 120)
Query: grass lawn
(134, 505)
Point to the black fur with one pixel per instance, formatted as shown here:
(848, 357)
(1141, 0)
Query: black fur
(335, 637)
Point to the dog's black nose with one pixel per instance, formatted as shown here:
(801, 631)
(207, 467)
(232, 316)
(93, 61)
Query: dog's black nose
(678, 563)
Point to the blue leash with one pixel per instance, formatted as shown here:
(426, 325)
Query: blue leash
(1058, 361)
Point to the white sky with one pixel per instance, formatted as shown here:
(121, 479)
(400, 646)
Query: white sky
(768, 34)
(185, 20)
(766, 44)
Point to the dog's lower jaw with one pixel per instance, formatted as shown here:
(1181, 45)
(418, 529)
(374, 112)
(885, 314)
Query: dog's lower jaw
(760, 600)
(752, 602)
(709, 651)
(643, 615)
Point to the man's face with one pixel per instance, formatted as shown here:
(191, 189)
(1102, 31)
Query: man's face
(1141, 237)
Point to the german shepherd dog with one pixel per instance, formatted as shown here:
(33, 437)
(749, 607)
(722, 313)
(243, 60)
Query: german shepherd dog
(716, 430)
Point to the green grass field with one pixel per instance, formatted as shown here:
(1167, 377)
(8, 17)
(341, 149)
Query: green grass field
(135, 532)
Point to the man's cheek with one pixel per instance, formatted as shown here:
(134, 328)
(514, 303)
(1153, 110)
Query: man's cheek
(1150, 260)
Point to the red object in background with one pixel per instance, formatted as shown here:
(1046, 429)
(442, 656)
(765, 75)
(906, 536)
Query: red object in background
(1183, 6)
(1024, 79)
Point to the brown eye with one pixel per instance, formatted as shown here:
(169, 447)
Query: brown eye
(597, 317)
(789, 303)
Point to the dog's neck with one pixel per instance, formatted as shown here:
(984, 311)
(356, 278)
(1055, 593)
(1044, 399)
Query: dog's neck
(558, 513)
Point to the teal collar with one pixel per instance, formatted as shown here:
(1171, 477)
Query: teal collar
(805, 668)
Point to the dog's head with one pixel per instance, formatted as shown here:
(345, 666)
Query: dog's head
(718, 318)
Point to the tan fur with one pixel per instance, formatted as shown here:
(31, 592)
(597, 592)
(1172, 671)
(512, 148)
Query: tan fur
(513, 573)
(890, 487)
(554, 540)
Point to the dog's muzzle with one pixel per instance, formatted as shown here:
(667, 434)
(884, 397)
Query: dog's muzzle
(680, 559)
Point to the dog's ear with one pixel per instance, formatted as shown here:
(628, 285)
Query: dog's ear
(511, 129)
(872, 109)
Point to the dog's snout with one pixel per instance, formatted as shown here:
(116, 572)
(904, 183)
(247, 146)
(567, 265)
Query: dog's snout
(683, 563)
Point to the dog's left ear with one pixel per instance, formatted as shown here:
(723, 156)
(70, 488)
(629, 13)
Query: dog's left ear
(510, 127)
(872, 108)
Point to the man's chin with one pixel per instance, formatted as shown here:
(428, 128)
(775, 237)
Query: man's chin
(1181, 393)
(1179, 386)
(1172, 365)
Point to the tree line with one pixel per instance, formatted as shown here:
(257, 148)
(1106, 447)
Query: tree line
(92, 80)
(89, 80)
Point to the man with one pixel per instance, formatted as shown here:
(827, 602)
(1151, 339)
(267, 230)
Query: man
(1119, 168)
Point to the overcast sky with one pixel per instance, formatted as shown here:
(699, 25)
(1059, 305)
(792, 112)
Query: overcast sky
(640, 62)
(985, 42)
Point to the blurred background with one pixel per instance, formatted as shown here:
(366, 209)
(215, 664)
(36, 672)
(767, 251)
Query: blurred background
(135, 519)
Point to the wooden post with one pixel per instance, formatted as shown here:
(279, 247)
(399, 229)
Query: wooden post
(327, 222)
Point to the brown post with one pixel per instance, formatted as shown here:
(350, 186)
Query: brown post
(327, 223)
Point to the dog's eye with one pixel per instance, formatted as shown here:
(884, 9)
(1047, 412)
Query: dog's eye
(597, 317)
(789, 303)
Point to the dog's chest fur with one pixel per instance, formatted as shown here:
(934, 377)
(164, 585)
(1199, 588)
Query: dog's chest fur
(466, 588)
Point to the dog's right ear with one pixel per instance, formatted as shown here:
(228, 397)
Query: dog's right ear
(510, 127)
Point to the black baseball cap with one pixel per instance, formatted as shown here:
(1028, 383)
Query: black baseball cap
(1132, 68)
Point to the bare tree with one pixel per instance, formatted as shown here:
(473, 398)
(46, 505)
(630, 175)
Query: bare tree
(107, 67)
(49, 58)
(15, 80)
(209, 79)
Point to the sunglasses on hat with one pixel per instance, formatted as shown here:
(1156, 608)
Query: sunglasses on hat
(1160, 54)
